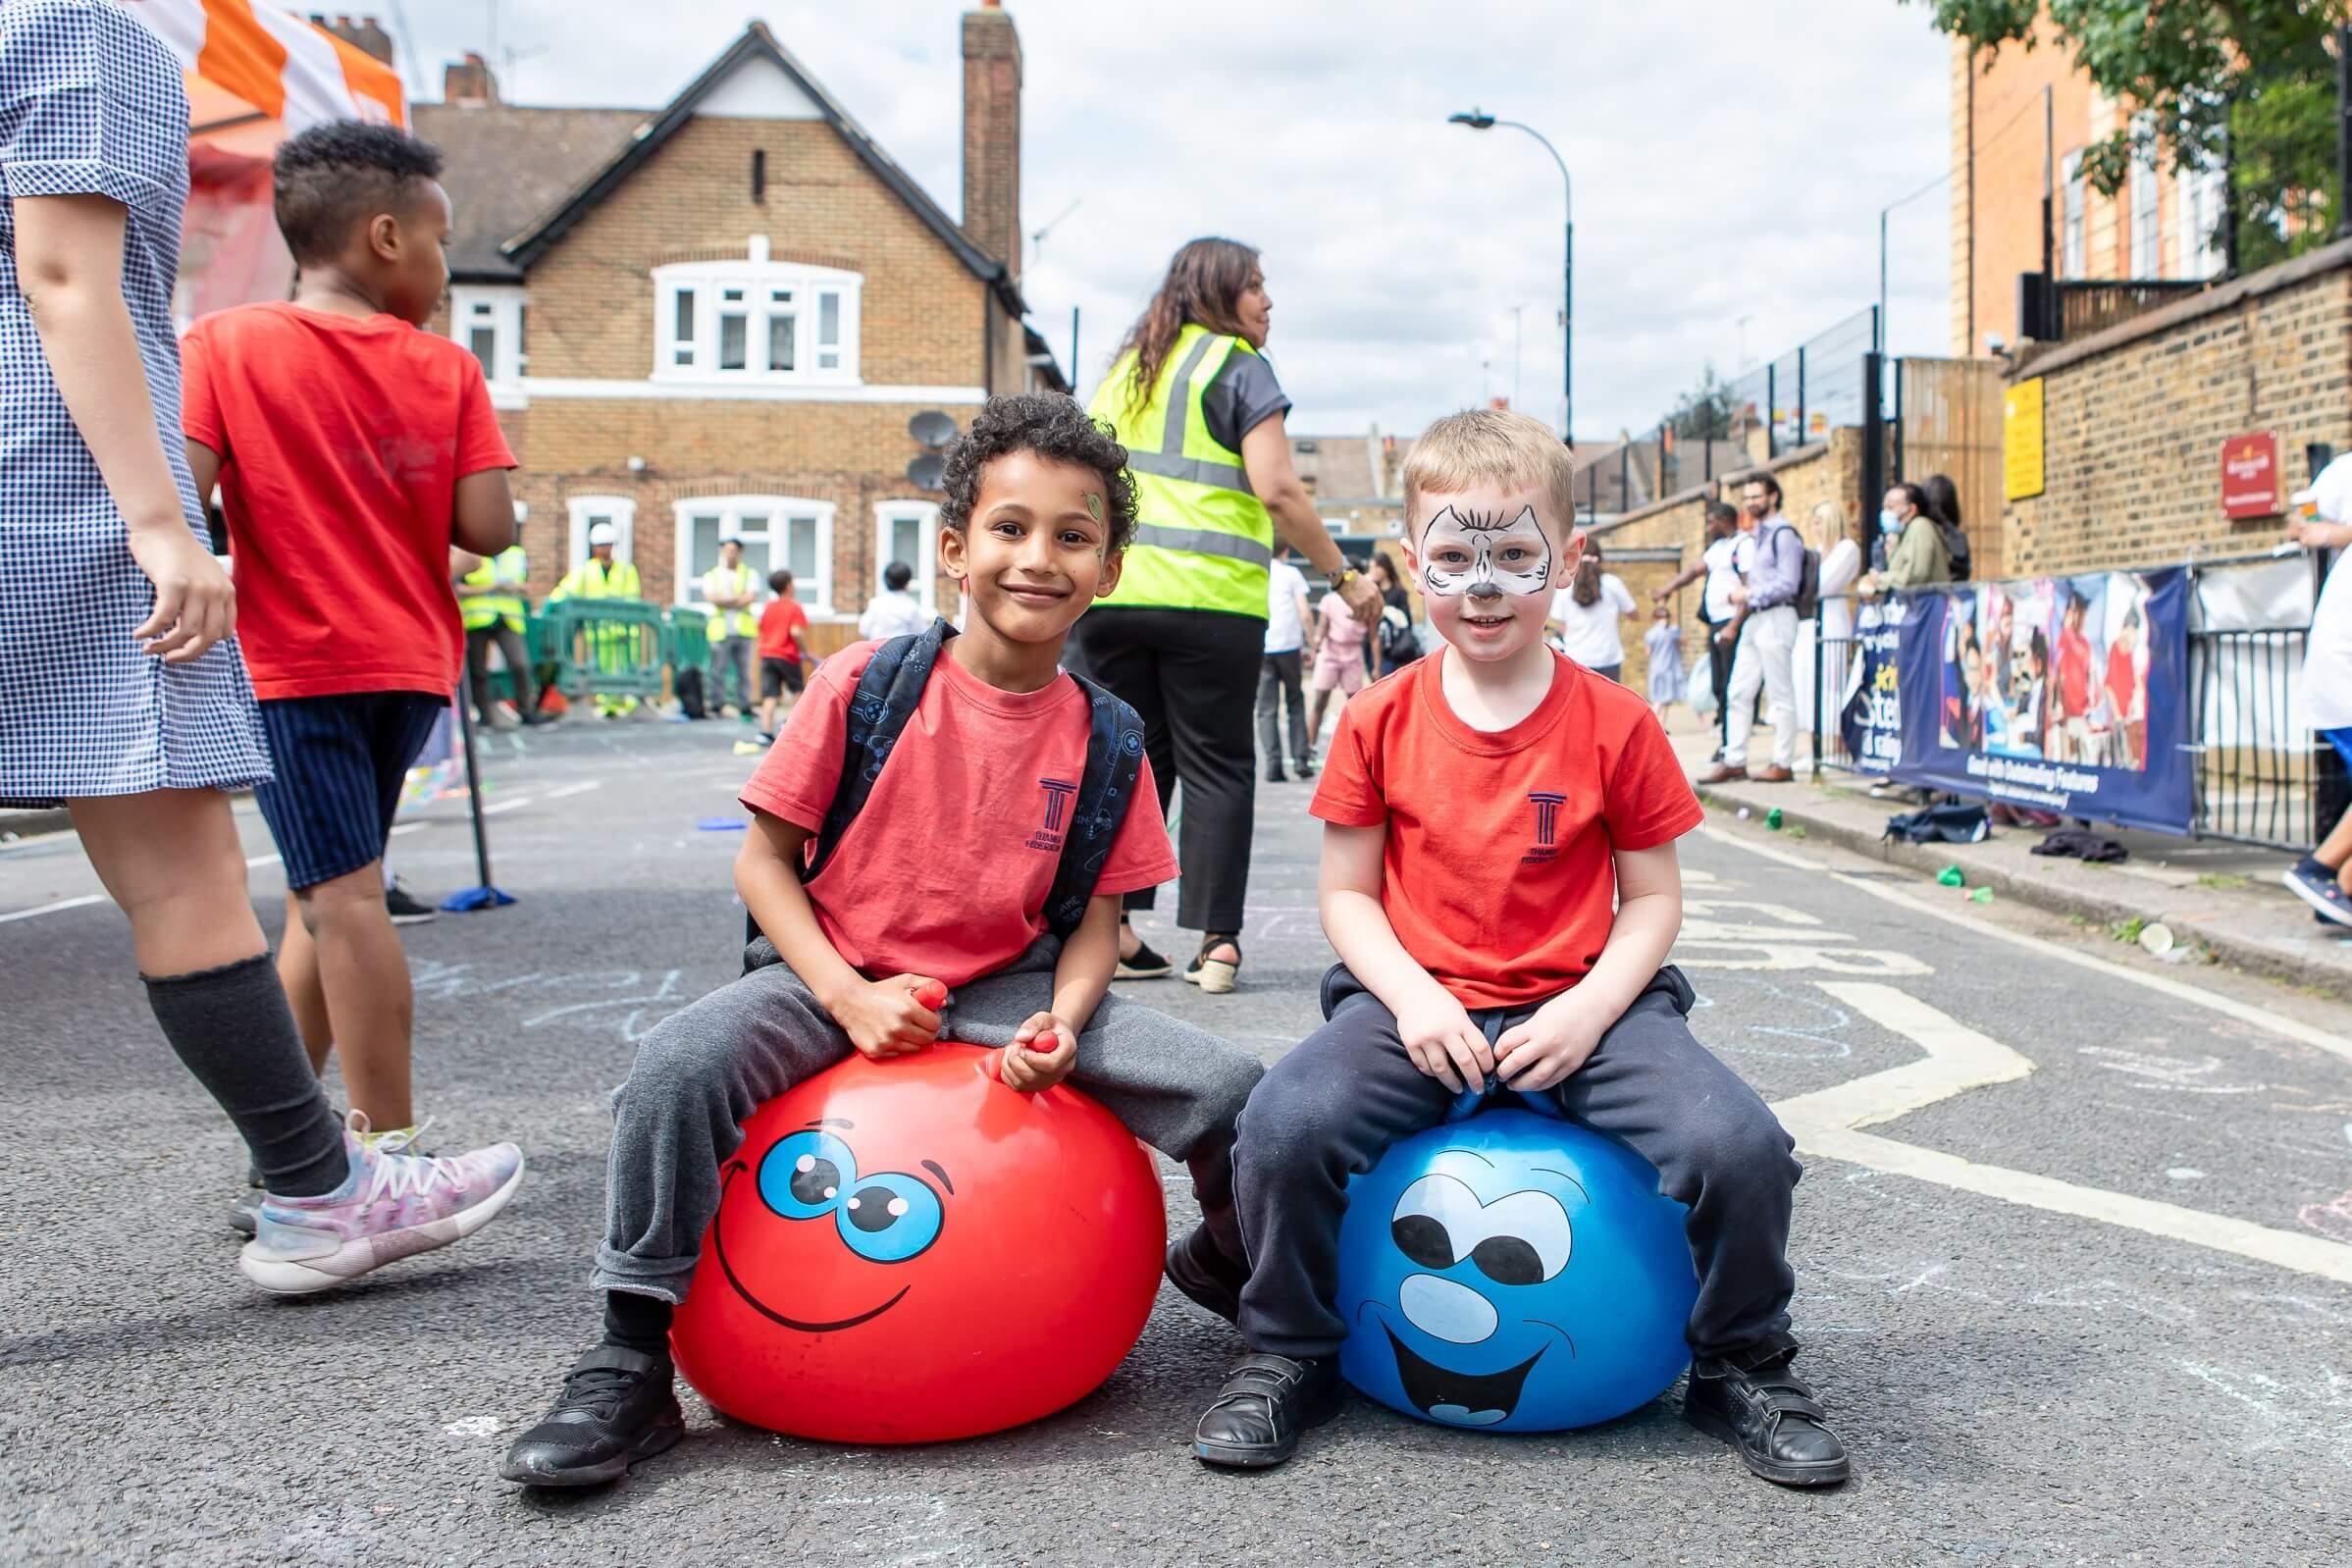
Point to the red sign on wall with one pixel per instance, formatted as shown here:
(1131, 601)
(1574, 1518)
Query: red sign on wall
(2250, 475)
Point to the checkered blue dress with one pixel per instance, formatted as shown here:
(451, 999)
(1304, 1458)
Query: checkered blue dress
(92, 104)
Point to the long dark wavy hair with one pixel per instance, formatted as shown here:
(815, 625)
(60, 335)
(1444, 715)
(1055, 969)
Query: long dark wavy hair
(1586, 592)
(1205, 282)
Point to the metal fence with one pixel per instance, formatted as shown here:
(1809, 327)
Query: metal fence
(1808, 392)
(2260, 779)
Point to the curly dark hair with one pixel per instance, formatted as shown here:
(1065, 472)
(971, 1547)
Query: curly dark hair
(343, 173)
(1053, 427)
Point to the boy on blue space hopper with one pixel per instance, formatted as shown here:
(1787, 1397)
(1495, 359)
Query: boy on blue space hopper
(943, 879)
(1484, 808)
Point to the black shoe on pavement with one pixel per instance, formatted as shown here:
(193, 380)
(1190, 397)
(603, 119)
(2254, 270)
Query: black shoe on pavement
(617, 1407)
(1198, 1266)
(1213, 975)
(1266, 1406)
(406, 908)
(1772, 1418)
(1143, 965)
(1278, 776)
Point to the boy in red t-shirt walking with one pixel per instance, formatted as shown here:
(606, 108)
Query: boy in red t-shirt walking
(942, 879)
(351, 451)
(780, 657)
(1481, 808)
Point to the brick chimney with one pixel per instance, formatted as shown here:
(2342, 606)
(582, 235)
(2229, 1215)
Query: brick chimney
(469, 83)
(367, 35)
(992, 133)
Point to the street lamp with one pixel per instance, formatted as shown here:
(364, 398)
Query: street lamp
(1478, 119)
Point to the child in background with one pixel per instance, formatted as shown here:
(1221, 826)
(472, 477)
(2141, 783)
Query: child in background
(1338, 662)
(780, 659)
(942, 876)
(1663, 643)
(1499, 880)
(893, 612)
(352, 450)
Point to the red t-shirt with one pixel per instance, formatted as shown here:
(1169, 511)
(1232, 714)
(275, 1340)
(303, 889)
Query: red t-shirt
(2074, 674)
(780, 629)
(342, 441)
(1497, 875)
(945, 871)
(2122, 678)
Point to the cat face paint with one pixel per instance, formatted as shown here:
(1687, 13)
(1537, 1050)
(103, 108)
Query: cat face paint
(1478, 554)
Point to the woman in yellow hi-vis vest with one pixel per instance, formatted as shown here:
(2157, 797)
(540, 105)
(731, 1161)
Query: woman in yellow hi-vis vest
(1192, 399)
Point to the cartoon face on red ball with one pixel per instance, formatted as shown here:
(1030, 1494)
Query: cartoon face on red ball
(894, 1239)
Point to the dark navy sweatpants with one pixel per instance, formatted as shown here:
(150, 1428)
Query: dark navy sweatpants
(339, 761)
(1331, 1108)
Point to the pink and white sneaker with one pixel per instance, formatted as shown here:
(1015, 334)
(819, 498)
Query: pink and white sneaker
(391, 1205)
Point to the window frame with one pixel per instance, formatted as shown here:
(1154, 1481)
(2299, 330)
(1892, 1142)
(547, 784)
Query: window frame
(687, 582)
(620, 510)
(2146, 232)
(502, 310)
(924, 514)
(2073, 260)
(760, 282)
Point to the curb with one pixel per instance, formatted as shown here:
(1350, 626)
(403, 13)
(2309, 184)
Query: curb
(2253, 957)
(44, 819)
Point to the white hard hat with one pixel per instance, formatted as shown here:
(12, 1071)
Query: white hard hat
(602, 534)
(729, 536)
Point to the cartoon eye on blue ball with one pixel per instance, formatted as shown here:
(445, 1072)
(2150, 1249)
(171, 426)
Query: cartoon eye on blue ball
(883, 1217)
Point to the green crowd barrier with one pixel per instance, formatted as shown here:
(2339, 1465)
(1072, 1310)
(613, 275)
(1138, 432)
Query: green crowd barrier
(689, 637)
(602, 647)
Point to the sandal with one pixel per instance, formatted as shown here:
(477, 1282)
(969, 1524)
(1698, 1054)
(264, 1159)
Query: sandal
(1214, 976)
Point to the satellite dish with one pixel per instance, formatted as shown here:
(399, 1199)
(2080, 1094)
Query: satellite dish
(924, 473)
(931, 429)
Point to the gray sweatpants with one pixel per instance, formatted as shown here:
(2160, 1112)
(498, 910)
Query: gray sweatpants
(1334, 1106)
(701, 1072)
(732, 656)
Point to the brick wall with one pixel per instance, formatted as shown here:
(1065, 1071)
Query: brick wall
(2135, 418)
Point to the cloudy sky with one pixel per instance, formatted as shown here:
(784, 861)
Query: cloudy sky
(1730, 161)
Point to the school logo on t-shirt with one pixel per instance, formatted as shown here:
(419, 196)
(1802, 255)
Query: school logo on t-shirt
(1547, 827)
(1057, 806)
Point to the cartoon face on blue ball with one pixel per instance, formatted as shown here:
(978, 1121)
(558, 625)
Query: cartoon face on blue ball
(1514, 1273)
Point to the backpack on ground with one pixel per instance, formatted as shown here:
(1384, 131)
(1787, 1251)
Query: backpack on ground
(1941, 824)
(888, 690)
(690, 694)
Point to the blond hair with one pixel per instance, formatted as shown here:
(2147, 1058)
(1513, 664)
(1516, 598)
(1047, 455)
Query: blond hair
(1837, 529)
(1492, 446)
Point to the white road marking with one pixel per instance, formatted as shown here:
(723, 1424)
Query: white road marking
(1824, 1123)
(54, 908)
(407, 828)
(516, 804)
(570, 790)
(2230, 1007)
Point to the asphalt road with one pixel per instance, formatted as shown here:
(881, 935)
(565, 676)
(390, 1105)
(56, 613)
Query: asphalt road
(2075, 1252)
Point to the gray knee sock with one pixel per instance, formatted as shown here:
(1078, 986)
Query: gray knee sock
(231, 1029)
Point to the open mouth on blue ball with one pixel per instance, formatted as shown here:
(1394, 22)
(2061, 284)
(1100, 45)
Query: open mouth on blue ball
(1458, 1398)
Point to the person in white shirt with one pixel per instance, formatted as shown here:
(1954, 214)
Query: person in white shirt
(1588, 612)
(2324, 521)
(1824, 656)
(1289, 630)
(1720, 566)
(893, 612)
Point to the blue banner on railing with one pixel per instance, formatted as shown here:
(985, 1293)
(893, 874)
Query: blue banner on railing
(1870, 717)
(2069, 693)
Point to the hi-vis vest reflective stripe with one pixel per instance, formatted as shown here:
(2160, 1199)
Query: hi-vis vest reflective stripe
(590, 580)
(746, 623)
(507, 570)
(1203, 540)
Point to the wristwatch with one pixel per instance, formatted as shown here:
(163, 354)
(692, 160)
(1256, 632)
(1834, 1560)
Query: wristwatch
(1343, 576)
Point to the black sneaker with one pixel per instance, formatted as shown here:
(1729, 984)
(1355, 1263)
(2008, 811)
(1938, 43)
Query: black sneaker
(1143, 965)
(406, 908)
(617, 1407)
(1278, 776)
(1266, 1406)
(1198, 1266)
(1772, 1418)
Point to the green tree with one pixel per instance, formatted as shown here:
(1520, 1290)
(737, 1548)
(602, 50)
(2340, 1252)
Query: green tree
(2248, 85)
(1704, 413)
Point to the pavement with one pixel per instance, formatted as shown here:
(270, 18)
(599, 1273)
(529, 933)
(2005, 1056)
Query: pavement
(2073, 1250)
(2223, 902)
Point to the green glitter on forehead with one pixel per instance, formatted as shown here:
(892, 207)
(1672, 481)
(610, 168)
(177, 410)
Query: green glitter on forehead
(1094, 506)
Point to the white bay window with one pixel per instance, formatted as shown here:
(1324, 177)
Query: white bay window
(756, 320)
(786, 531)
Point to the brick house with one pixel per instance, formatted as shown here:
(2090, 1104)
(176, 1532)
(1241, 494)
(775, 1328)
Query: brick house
(722, 314)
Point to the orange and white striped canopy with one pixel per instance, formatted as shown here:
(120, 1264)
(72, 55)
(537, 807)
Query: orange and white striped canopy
(257, 73)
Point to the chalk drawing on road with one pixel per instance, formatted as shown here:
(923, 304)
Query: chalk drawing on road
(2309, 1413)
(2330, 1219)
(472, 1427)
(2176, 1074)
(1775, 938)
(648, 996)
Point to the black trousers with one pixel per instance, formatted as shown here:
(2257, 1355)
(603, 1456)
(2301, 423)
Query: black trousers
(1278, 678)
(1192, 675)
(1718, 666)
(1334, 1106)
(477, 667)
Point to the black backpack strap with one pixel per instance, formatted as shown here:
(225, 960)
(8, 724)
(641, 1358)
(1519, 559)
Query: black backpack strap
(888, 690)
(1113, 765)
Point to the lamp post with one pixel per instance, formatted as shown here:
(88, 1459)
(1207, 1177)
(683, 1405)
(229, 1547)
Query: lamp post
(1477, 120)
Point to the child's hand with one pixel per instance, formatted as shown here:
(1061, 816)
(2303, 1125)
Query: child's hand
(1043, 1051)
(883, 1017)
(1550, 1046)
(1443, 1041)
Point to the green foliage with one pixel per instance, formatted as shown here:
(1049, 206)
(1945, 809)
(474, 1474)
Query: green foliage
(1704, 413)
(2246, 82)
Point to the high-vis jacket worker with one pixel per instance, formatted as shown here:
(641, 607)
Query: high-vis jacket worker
(602, 577)
(732, 633)
(491, 603)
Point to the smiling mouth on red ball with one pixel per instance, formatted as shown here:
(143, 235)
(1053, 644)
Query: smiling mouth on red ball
(718, 1245)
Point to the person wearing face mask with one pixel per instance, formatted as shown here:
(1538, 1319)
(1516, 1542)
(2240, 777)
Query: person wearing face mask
(1919, 557)
(1182, 637)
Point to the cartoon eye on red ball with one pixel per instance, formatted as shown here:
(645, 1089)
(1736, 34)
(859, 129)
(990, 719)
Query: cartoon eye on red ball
(882, 1225)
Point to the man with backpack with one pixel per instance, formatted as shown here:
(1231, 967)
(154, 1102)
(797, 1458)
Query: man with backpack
(1763, 627)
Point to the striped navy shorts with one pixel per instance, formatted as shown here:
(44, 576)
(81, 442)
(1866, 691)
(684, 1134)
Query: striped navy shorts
(340, 761)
